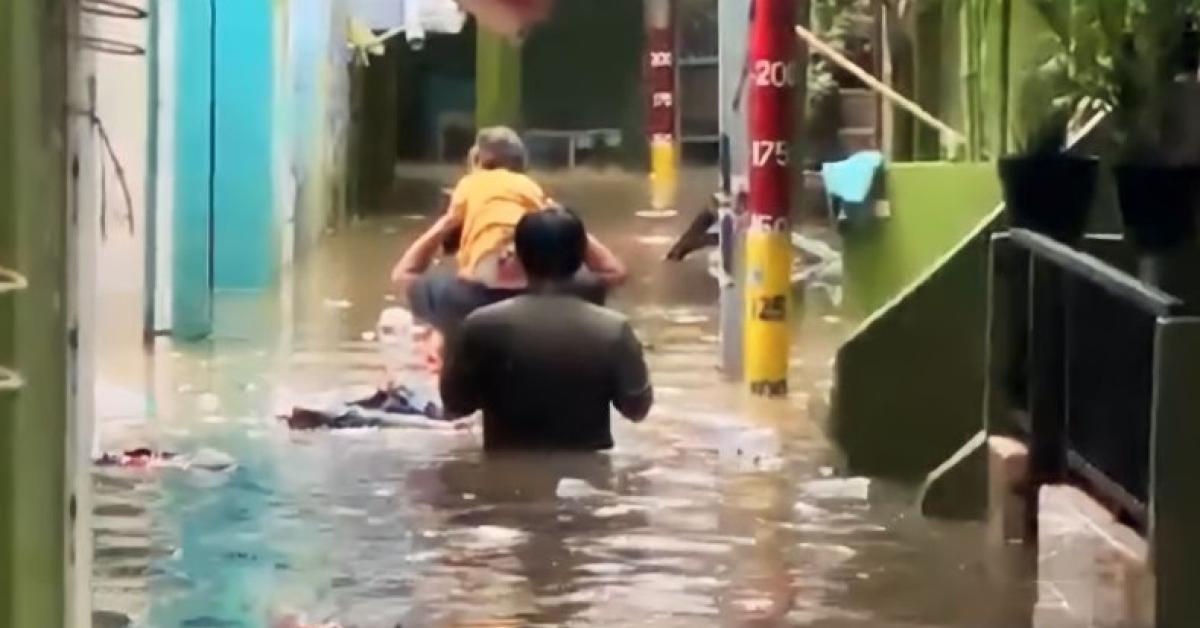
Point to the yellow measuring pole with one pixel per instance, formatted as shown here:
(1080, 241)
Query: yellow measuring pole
(768, 308)
(664, 174)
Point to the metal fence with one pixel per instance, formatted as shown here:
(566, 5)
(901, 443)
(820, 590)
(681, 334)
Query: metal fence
(1100, 374)
(1079, 366)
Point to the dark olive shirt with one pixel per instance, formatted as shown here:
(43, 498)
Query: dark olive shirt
(544, 369)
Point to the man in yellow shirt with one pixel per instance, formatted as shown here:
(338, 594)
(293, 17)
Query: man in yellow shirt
(488, 203)
(485, 207)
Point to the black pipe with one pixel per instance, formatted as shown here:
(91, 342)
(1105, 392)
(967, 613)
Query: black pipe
(212, 152)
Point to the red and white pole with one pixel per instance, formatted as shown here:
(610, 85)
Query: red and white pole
(772, 80)
(661, 64)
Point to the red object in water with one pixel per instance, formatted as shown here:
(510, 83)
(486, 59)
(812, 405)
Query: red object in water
(511, 18)
(772, 81)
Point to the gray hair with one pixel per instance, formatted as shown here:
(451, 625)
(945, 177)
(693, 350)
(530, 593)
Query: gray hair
(501, 147)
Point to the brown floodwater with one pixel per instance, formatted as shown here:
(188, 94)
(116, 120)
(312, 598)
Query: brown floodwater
(719, 510)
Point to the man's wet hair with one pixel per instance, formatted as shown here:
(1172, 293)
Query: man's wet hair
(500, 147)
(551, 244)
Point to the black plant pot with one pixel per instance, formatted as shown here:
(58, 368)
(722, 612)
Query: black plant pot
(1158, 205)
(1049, 193)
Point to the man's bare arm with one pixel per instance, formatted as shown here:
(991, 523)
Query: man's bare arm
(421, 253)
(604, 263)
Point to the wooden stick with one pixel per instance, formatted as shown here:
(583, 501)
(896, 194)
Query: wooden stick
(878, 86)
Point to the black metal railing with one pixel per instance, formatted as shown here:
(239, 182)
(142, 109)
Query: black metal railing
(1079, 366)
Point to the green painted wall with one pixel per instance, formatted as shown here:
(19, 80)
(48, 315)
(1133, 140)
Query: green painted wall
(954, 66)
(934, 205)
(497, 81)
(910, 380)
(32, 323)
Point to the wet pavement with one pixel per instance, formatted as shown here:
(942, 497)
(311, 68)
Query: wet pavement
(719, 510)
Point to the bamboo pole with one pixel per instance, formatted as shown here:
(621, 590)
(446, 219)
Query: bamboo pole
(878, 86)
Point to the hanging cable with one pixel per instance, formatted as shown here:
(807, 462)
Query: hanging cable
(110, 156)
(11, 280)
(113, 9)
(10, 380)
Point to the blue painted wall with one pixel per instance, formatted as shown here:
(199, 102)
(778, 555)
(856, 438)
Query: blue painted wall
(226, 235)
(192, 222)
(247, 239)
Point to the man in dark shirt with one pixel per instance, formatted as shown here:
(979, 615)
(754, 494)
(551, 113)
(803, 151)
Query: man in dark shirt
(544, 367)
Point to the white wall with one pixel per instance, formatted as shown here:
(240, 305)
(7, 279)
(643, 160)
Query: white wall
(122, 108)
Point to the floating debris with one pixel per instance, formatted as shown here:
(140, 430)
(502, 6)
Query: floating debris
(809, 511)
(657, 213)
(655, 240)
(826, 555)
(492, 537)
(687, 319)
(368, 336)
(339, 304)
(212, 460)
(572, 488)
(208, 402)
(604, 569)
(620, 510)
(839, 488)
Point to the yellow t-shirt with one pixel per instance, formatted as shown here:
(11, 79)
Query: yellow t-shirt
(490, 203)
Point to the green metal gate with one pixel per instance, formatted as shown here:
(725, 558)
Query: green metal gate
(33, 336)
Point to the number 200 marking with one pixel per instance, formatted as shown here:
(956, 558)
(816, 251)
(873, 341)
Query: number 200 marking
(774, 73)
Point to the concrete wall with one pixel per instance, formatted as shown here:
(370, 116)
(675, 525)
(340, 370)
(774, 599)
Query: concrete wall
(318, 106)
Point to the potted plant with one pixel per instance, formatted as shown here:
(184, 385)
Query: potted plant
(1132, 52)
(1047, 189)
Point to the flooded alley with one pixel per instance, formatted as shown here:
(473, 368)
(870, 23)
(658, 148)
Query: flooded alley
(718, 510)
(914, 284)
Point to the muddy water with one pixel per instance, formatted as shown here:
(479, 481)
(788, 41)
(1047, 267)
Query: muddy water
(717, 511)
